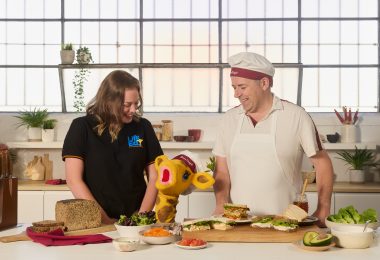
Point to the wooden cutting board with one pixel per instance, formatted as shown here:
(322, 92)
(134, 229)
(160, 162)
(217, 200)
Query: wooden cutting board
(246, 233)
(23, 237)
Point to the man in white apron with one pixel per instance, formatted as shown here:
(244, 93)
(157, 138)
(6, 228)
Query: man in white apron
(261, 143)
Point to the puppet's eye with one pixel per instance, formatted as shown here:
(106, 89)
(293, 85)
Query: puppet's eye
(186, 175)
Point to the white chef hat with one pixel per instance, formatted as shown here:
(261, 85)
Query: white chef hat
(251, 66)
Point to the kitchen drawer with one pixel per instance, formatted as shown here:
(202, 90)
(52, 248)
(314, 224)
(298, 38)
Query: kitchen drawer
(30, 206)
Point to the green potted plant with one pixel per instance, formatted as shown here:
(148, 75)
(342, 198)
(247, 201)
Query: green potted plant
(48, 130)
(67, 53)
(358, 161)
(33, 120)
(84, 55)
(80, 77)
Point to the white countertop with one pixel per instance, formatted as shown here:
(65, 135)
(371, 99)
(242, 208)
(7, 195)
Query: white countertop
(218, 251)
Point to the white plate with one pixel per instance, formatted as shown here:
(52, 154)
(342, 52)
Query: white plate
(247, 220)
(300, 244)
(309, 220)
(191, 247)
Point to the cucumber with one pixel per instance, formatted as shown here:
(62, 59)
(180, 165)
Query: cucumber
(321, 240)
(308, 236)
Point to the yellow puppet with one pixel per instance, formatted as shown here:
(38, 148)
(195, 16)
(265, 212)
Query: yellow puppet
(176, 176)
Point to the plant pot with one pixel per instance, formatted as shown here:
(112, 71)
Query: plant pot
(34, 134)
(83, 58)
(47, 135)
(349, 134)
(67, 56)
(357, 176)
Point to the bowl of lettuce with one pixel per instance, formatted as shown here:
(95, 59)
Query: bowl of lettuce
(349, 216)
(131, 226)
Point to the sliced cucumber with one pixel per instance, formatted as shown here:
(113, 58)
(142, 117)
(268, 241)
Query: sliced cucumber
(308, 236)
(321, 240)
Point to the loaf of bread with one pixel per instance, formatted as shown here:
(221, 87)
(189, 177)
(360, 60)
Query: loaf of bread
(78, 214)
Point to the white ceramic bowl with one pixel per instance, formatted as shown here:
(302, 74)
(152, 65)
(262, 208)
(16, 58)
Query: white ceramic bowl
(126, 244)
(131, 231)
(331, 224)
(157, 240)
(353, 236)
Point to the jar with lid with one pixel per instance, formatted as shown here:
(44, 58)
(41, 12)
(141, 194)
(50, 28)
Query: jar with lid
(167, 130)
(158, 131)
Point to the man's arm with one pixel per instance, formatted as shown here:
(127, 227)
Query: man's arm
(222, 184)
(324, 179)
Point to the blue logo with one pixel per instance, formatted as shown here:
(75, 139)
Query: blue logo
(135, 141)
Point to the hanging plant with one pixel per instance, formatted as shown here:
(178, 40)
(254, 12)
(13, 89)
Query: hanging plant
(80, 77)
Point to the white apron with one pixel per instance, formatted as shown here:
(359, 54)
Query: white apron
(257, 178)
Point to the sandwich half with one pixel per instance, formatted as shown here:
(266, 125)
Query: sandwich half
(263, 221)
(222, 223)
(235, 211)
(197, 225)
(295, 212)
(284, 224)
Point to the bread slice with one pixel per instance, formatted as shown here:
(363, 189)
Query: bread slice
(47, 223)
(295, 212)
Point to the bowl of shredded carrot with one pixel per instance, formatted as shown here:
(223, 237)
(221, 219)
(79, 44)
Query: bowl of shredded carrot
(157, 236)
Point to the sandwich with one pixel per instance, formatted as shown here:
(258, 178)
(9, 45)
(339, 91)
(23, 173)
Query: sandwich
(197, 225)
(222, 223)
(284, 224)
(295, 212)
(263, 221)
(47, 226)
(235, 211)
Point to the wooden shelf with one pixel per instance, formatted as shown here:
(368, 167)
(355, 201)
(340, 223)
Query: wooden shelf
(350, 146)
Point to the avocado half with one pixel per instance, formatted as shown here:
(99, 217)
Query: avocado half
(321, 240)
(312, 238)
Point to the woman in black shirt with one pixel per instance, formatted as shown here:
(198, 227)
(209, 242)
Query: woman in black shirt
(107, 151)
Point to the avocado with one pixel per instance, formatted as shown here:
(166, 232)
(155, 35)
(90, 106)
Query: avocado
(321, 240)
(308, 236)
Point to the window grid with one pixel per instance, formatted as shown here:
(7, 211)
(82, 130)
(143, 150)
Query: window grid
(141, 21)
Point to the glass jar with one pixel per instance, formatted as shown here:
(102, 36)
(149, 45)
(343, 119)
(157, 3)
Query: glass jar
(167, 130)
(158, 131)
(302, 202)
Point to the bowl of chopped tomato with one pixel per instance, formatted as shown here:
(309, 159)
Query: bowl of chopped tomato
(157, 236)
(191, 243)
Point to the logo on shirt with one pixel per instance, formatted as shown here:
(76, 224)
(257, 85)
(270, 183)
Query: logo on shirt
(135, 141)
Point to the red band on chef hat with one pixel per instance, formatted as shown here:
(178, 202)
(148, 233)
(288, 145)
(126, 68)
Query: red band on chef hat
(187, 161)
(249, 74)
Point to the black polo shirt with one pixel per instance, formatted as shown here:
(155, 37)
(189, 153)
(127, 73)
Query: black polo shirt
(113, 171)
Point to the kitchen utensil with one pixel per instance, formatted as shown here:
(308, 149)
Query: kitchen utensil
(366, 225)
(246, 233)
(23, 237)
(304, 187)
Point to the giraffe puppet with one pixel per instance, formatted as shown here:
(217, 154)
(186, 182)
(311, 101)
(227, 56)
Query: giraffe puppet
(175, 177)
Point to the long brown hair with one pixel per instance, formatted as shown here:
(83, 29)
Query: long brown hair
(107, 105)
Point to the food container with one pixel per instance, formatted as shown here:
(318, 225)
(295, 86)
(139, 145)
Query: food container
(130, 231)
(157, 240)
(196, 133)
(158, 131)
(167, 130)
(126, 244)
(353, 236)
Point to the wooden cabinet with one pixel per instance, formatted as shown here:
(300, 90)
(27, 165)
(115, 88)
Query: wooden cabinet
(50, 198)
(30, 206)
(361, 201)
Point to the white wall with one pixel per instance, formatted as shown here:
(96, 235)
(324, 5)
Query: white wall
(327, 123)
